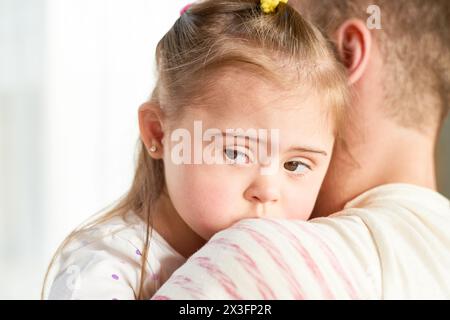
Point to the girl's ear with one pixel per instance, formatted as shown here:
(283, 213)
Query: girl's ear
(151, 128)
(354, 42)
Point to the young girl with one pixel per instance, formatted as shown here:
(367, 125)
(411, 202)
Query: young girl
(225, 68)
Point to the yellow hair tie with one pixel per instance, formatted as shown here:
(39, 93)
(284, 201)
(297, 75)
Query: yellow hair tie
(269, 6)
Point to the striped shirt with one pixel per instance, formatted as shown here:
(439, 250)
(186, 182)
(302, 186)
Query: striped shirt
(392, 242)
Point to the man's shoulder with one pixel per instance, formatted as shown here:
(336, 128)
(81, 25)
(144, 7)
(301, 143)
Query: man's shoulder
(400, 207)
(401, 194)
(409, 228)
(330, 257)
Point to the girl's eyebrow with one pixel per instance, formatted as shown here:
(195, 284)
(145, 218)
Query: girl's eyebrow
(309, 150)
(249, 137)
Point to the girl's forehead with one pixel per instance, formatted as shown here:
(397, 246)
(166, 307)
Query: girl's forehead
(292, 116)
(242, 93)
(236, 98)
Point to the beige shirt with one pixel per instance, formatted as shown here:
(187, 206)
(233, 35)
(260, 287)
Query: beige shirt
(392, 242)
(104, 262)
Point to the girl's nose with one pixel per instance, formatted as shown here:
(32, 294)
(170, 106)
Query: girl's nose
(263, 190)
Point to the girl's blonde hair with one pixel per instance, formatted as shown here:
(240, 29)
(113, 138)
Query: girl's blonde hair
(210, 35)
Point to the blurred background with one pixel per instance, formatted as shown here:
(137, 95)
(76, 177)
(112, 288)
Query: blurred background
(72, 76)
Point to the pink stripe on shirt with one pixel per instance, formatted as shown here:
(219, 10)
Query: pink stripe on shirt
(265, 243)
(249, 265)
(215, 272)
(332, 258)
(295, 242)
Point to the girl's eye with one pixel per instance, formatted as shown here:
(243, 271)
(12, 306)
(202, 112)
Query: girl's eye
(237, 157)
(297, 167)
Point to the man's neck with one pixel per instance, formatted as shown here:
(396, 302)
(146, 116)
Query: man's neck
(386, 154)
(412, 159)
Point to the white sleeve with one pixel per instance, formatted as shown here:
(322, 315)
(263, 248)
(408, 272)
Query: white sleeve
(333, 258)
(97, 271)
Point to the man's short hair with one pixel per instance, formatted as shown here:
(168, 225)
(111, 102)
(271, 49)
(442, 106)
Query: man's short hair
(415, 45)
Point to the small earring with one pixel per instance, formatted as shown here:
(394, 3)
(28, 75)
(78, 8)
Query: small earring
(153, 148)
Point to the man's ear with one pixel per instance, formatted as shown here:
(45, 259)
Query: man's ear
(151, 128)
(354, 43)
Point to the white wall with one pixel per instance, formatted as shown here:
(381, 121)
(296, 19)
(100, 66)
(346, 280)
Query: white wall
(73, 74)
(22, 219)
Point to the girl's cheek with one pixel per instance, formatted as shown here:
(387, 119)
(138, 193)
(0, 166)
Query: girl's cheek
(211, 202)
(300, 204)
